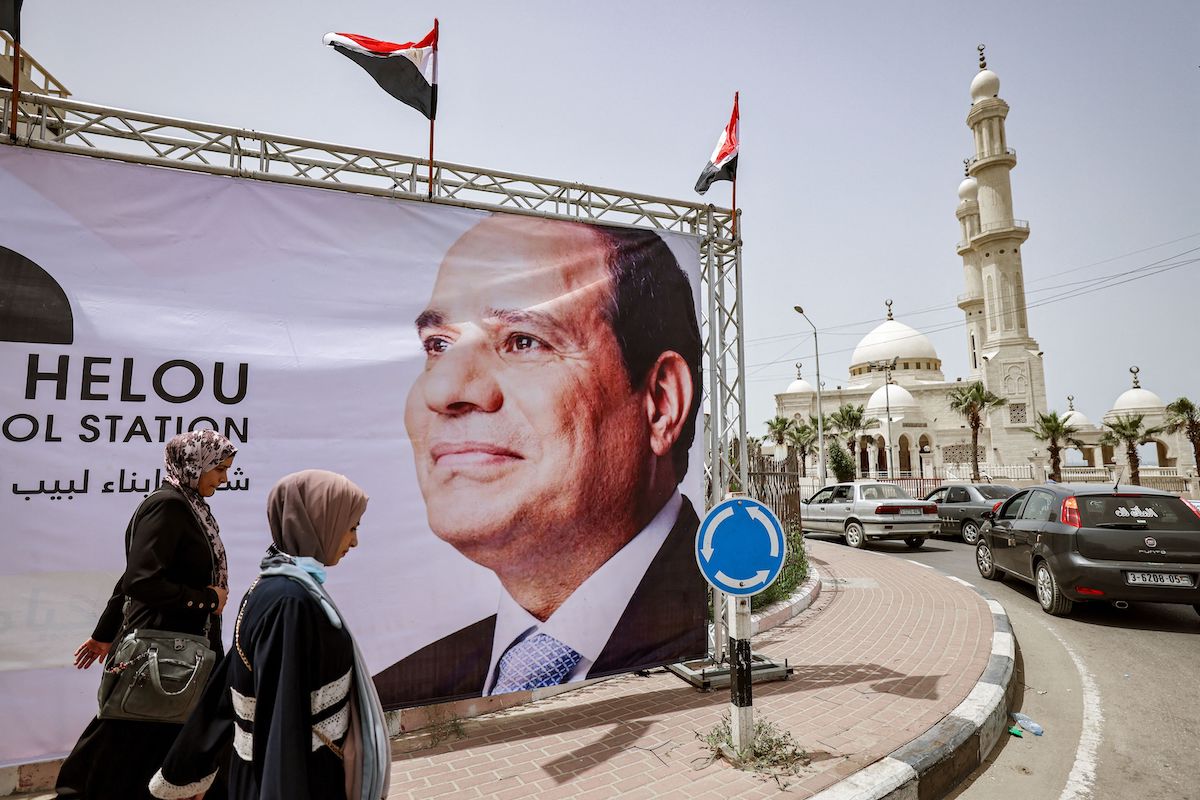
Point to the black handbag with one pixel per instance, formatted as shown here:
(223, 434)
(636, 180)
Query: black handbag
(155, 676)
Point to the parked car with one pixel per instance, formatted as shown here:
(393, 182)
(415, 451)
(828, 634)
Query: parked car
(866, 510)
(961, 506)
(1094, 542)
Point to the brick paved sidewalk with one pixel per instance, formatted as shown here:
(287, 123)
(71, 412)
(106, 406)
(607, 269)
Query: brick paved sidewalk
(887, 650)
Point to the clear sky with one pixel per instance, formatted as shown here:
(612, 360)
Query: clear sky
(853, 138)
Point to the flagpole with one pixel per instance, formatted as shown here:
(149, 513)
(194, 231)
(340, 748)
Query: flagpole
(16, 88)
(735, 214)
(433, 111)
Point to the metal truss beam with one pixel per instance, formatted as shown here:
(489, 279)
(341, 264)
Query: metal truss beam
(56, 123)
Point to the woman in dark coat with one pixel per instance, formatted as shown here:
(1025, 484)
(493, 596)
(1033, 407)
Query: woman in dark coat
(175, 579)
(294, 695)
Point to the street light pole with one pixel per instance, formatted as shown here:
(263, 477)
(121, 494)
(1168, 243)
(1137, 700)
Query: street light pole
(887, 367)
(820, 408)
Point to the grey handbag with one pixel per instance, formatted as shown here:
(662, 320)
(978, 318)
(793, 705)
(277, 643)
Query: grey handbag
(155, 676)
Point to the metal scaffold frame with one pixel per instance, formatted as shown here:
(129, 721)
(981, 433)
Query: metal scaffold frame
(59, 124)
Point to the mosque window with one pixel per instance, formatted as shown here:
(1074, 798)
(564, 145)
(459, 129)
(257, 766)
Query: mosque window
(1017, 414)
(906, 365)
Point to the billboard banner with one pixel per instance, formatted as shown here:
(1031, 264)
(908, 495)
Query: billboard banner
(517, 395)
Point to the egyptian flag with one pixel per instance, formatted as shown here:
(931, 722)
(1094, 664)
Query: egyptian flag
(10, 18)
(723, 164)
(408, 72)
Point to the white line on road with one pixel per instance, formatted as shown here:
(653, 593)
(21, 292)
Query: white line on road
(1083, 771)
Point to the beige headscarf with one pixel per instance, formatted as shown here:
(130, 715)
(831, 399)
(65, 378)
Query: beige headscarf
(310, 511)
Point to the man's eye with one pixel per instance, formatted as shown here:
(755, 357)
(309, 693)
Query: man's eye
(435, 344)
(521, 342)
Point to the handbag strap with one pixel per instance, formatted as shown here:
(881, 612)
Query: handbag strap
(237, 628)
(156, 679)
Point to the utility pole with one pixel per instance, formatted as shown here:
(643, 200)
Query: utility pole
(820, 408)
(887, 367)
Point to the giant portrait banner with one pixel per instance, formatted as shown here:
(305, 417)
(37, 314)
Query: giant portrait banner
(322, 329)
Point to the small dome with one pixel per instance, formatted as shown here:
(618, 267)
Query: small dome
(986, 84)
(890, 395)
(800, 386)
(968, 190)
(892, 339)
(1076, 419)
(1137, 401)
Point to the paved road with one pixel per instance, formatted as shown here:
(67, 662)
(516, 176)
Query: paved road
(1117, 691)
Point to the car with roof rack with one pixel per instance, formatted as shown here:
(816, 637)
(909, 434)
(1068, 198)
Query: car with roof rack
(1095, 542)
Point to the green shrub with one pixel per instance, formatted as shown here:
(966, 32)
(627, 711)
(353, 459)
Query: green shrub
(840, 462)
(793, 573)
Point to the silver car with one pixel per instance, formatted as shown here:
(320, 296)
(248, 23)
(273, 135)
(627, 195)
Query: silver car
(867, 510)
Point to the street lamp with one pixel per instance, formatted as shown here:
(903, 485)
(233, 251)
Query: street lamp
(887, 367)
(820, 408)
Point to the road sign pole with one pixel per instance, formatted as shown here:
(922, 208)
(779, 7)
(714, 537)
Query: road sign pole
(720, 631)
(741, 695)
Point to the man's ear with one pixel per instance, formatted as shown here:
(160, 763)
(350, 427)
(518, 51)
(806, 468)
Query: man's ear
(668, 396)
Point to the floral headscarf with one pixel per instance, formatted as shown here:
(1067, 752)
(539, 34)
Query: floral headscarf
(188, 456)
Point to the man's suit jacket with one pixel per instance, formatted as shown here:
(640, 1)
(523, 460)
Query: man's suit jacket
(665, 621)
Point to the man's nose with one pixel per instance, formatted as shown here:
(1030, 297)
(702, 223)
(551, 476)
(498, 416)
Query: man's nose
(463, 378)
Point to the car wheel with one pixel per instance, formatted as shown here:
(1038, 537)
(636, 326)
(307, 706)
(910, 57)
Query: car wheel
(986, 563)
(970, 531)
(854, 535)
(1049, 595)
(914, 542)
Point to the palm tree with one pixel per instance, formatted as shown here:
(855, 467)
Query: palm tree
(1183, 416)
(1129, 431)
(802, 437)
(850, 421)
(777, 429)
(1057, 433)
(974, 402)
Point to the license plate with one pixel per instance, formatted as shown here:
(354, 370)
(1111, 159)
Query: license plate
(915, 512)
(1158, 579)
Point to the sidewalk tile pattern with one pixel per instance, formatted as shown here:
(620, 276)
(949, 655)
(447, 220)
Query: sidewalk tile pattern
(886, 652)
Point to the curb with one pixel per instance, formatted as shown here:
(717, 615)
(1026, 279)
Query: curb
(934, 763)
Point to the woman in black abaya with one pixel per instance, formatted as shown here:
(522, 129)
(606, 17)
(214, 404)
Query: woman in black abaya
(175, 579)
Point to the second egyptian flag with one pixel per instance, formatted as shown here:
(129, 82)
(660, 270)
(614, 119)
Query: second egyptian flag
(408, 72)
(723, 164)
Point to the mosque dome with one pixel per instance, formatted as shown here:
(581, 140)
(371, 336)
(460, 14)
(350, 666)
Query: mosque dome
(894, 396)
(1075, 419)
(892, 339)
(968, 190)
(799, 386)
(986, 84)
(1136, 400)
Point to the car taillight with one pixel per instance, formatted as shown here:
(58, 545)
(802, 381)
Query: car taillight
(1087, 590)
(1195, 510)
(1070, 513)
(887, 509)
(931, 508)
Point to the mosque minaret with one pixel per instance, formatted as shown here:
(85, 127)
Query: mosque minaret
(925, 436)
(1002, 353)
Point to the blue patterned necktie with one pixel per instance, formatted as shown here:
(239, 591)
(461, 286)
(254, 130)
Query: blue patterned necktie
(540, 660)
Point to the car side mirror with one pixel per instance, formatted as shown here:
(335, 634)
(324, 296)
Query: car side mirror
(988, 514)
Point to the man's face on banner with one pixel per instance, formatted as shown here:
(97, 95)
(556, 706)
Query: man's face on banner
(523, 421)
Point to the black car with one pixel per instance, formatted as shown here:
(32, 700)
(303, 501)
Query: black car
(961, 506)
(1093, 542)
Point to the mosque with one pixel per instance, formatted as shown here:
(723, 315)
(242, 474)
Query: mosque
(896, 373)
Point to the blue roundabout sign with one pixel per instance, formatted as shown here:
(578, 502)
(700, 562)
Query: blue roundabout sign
(740, 547)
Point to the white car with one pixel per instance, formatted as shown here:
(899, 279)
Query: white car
(867, 510)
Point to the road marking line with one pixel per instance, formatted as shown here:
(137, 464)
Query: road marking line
(1083, 772)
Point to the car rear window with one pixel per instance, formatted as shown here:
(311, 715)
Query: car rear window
(1155, 512)
(884, 491)
(996, 492)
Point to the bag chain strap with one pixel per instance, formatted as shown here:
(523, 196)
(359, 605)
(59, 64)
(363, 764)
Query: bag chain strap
(237, 628)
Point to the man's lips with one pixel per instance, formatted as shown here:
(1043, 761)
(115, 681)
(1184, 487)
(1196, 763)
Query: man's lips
(470, 453)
